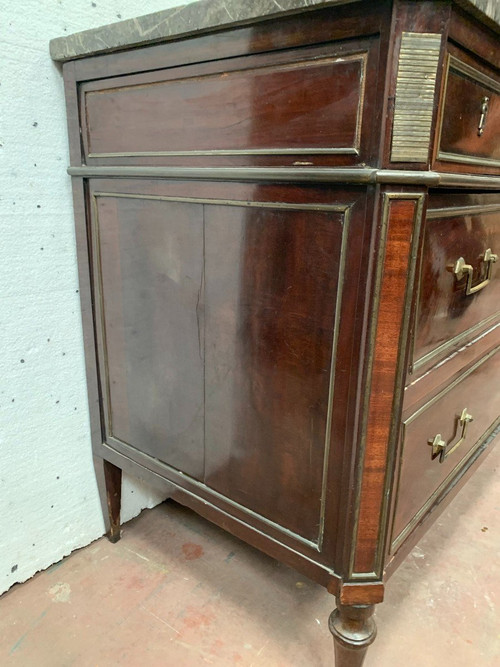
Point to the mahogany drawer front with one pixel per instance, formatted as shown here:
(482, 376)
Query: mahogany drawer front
(459, 288)
(426, 470)
(302, 103)
(469, 132)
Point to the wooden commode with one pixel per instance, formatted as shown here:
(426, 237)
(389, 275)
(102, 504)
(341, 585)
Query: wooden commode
(288, 229)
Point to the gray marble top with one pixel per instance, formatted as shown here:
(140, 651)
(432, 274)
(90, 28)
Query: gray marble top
(204, 16)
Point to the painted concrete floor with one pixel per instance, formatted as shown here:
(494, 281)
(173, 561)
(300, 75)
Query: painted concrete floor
(178, 591)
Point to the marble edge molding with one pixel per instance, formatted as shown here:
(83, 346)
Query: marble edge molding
(205, 16)
(176, 22)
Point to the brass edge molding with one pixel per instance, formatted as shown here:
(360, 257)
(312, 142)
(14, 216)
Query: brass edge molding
(415, 92)
(295, 174)
(139, 459)
(361, 175)
(419, 198)
(475, 75)
(313, 61)
(474, 209)
(468, 159)
(491, 433)
(453, 342)
(343, 209)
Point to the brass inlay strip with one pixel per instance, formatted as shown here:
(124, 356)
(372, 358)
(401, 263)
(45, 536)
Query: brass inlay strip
(415, 92)
(336, 208)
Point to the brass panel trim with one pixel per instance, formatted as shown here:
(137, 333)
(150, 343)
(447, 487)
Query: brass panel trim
(303, 63)
(455, 64)
(419, 198)
(453, 342)
(361, 175)
(415, 92)
(101, 330)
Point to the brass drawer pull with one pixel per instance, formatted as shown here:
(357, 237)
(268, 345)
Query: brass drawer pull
(444, 449)
(484, 113)
(461, 268)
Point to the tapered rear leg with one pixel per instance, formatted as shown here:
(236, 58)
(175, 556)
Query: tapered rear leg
(353, 630)
(109, 481)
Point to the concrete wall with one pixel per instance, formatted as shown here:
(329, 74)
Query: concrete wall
(48, 496)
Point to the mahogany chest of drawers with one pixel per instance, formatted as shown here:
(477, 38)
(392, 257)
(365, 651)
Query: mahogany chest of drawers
(288, 232)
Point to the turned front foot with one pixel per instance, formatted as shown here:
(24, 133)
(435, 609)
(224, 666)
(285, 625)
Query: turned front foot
(353, 629)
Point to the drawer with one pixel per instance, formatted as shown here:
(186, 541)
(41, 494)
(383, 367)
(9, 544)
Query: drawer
(469, 131)
(425, 470)
(459, 287)
(293, 105)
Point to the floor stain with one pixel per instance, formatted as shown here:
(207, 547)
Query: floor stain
(192, 551)
(21, 639)
(60, 592)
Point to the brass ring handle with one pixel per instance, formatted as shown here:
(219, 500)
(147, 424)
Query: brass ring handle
(461, 268)
(485, 102)
(442, 448)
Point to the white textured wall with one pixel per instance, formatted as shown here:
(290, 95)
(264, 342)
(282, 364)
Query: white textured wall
(48, 496)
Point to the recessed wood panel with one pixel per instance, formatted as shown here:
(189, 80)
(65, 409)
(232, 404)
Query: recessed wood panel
(149, 274)
(273, 280)
(254, 105)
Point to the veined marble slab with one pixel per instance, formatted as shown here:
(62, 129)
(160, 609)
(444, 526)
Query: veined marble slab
(206, 16)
